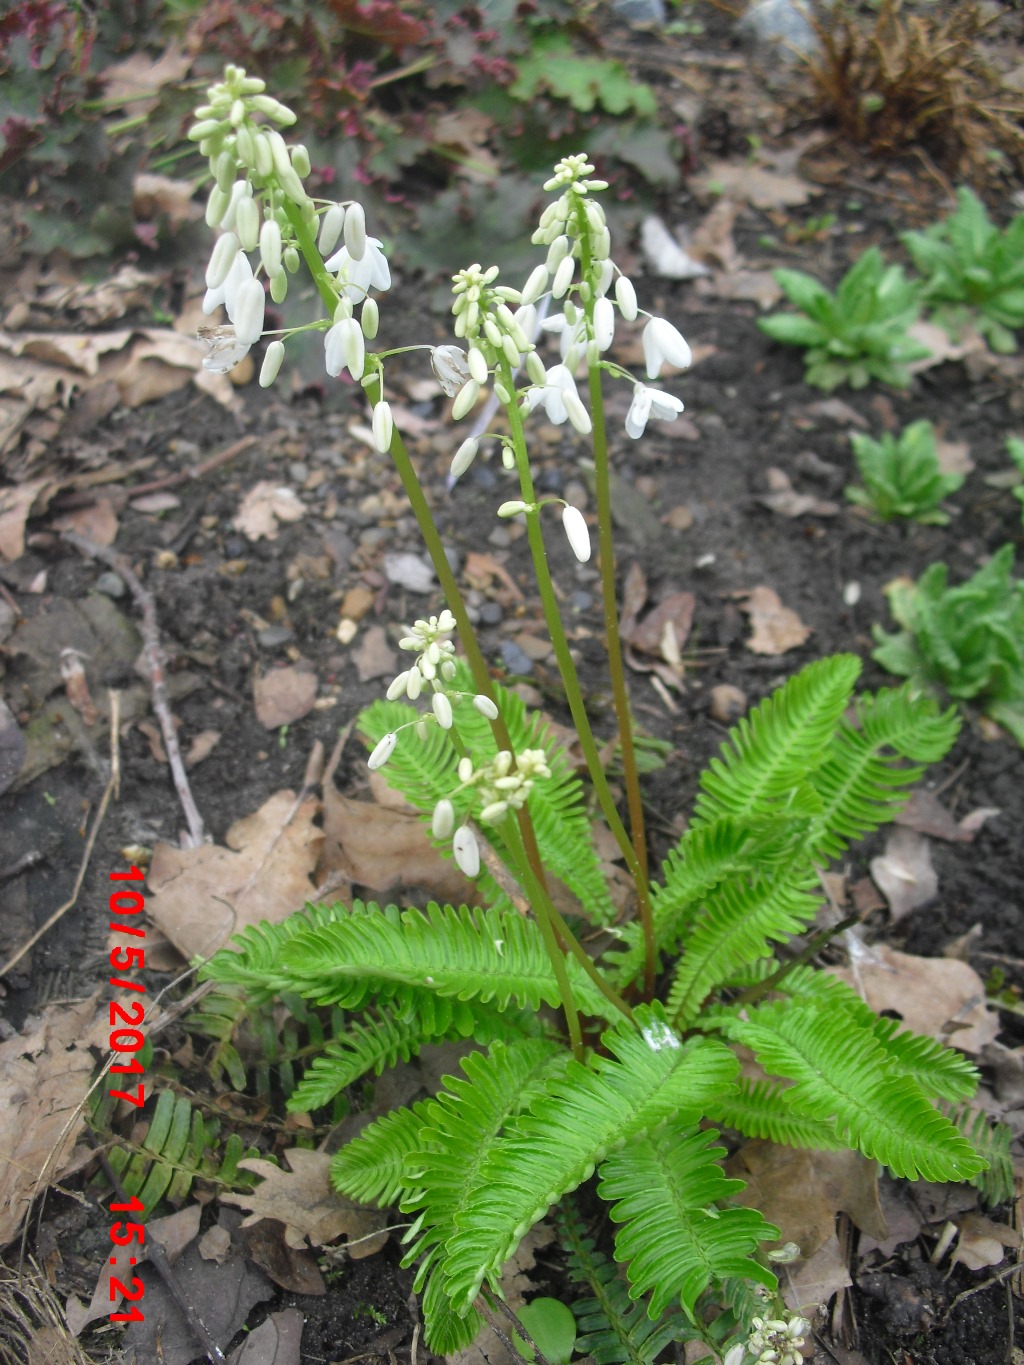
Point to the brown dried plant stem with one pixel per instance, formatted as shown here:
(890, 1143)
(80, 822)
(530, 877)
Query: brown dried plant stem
(157, 662)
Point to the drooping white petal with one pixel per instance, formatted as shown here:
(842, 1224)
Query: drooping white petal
(466, 851)
(249, 308)
(382, 752)
(272, 362)
(576, 532)
(639, 411)
(662, 342)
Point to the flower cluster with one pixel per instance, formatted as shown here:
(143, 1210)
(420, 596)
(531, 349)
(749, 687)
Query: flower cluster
(260, 204)
(433, 668)
(500, 786)
(776, 1341)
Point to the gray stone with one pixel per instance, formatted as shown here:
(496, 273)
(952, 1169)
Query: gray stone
(111, 584)
(640, 11)
(581, 601)
(298, 472)
(275, 636)
(491, 613)
(778, 25)
(411, 572)
(516, 660)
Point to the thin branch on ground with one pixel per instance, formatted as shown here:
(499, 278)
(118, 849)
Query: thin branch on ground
(156, 660)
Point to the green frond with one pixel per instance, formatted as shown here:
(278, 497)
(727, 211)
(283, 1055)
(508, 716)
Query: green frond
(737, 926)
(862, 781)
(613, 1328)
(841, 1071)
(372, 1168)
(758, 1110)
(485, 955)
(676, 1238)
(446, 1331)
(424, 771)
(579, 1118)
(771, 752)
(992, 1141)
(255, 955)
(941, 1072)
(396, 1031)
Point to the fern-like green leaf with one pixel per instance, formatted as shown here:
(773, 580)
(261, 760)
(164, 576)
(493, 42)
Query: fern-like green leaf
(372, 1168)
(253, 960)
(676, 1238)
(485, 955)
(862, 781)
(758, 1110)
(425, 771)
(613, 1328)
(395, 1032)
(770, 753)
(650, 1076)
(992, 1140)
(841, 1071)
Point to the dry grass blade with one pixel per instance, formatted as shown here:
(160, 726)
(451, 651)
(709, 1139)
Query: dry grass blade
(911, 80)
(32, 1322)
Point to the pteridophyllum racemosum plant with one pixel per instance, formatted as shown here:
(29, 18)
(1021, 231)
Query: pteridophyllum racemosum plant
(621, 1077)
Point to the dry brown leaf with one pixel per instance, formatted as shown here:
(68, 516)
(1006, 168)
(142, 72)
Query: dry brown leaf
(158, 196)
(17, 504)
(813, 1282)
(752, 185)
(904, 873)
(97, 522)
(202, 746)
(264, 507)
(801, 1191)
(384, 848)
(674, 613)
(942, 346)
(954, 457)
(284, 695)
(983, 1242)
(200, 896)
(76, 351)
(374, 657)
(776, 628)
(44, 1076)
(138, 80)
(712, 240)
(784, 499)
(937, 996)
(276, 1341)
(303, 1199)
(749, 286)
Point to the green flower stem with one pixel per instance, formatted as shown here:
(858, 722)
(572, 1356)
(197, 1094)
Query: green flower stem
(616, 667)
(570, 680)
(453, 595)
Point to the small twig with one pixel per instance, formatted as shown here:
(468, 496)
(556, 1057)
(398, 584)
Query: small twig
(222, 457)
(157, 677)
(15, 869)
(502, 1336)
(980, 1289)
(5, 594)
(158, 1260)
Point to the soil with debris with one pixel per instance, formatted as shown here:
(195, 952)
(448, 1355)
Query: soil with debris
(703, 510)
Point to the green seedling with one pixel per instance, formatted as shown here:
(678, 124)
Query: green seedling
(902, 476)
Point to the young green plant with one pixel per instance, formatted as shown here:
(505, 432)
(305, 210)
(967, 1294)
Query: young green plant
(902, 476)
(643, 1052)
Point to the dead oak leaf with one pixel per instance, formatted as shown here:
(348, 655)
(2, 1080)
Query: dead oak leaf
(904, 873)
(940, 997)
(776, 628)
(303, 1199)
(783, 498)
(754, 185)
(200, 896)
(284, 695)
(264, 508)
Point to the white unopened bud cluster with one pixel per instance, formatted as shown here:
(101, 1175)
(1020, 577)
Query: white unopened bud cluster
(499, 787)
(260, 203)
(777, 1341)
(495, 336)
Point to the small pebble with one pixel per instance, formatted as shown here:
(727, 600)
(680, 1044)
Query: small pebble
(551, 480)
(581, 601)
(576, 494)
(491, 613)
(411, 572)
(275, 636)
(453, 557)
(851, 593)
(516, 660)
(298, 472)
(728, 703)
(111, 584)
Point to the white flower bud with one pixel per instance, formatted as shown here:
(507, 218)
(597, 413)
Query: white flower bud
(578, 415)
(331, 226)
(510, 350)
(383, 427)
(222, 258)
(557, 252)
(576, 532)
(535, 369)
(497, 810)
(216, 206)
(397, 686)
(563, 277)
(501, 393)
(535, 285)
(625, 297)
(279, 287)
(604, 323)
(355, 231)
(247, 223)
(291, 259)
(443, 821)
(465, 770)
(442, 710)
(382, 752)
(264, 154)
(414, 685)
(466, 851)
(300, 160)
(477, 364)
(245, 147)
(485, 706)
(248, 313)
(465, 399)
(464, 457)
(270, 246)
(271, 366)
(512, 508)
(369, 318)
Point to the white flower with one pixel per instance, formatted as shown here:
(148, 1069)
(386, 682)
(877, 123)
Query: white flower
(222, 259)
(343, 346)
(442, 710)
(443, 821)
(226, 351)
(272, 361)
(226, 292)
(330, 228)
(552, 397)
(464, 456)
(355, 232)
(356, 277)
(383, 751)
(572, 336)
(485, 706)
(648, 403)
(576, 532)
(383, 427)
(604, 323)
(467, 851)
(662, 342)
(535, 285)
(248, 311)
